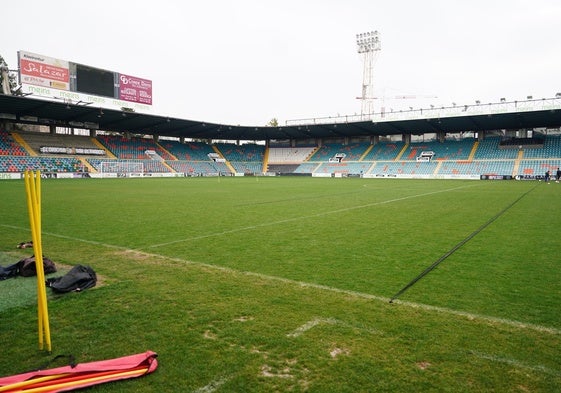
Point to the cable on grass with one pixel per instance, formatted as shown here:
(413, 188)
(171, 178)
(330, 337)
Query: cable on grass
(457, 246)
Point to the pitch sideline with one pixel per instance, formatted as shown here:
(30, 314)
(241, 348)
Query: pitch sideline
(421, 306)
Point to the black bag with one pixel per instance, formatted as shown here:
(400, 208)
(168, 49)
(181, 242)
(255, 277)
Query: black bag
(77, 279)
(27, 267)
(9, 271)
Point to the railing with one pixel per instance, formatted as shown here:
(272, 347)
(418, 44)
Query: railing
(528, 105)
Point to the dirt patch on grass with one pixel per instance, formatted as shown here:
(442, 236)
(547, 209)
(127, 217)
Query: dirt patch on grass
(267, 371)
(144, 257)
(339, 351)
(423, 365)
(243, 318)
(135, 255)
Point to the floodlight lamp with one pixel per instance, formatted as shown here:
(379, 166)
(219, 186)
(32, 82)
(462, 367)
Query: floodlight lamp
(529, 97)
(477, 102)
(503, 99)
(558, 95)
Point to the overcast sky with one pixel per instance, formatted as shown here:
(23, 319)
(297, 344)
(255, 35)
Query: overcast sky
(248, 61)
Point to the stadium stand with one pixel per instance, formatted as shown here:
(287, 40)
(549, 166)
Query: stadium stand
(40, 141)
(488, 149)
(347, 168)
(44, 164)
(481, 167)
(538, 167)
(384, 151)
(189, 151)
(132, 148)
(307, 167)
(551, 147)
(9, 147)
(282, 168)
(150, 166)
(351, 152)
(241, 153)
(247, 159)
(404, 168)
(199, 168)
(286, 159)
(492, 155)
(450, 150)
(289, 155)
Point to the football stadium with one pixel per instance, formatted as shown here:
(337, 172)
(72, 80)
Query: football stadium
(396, 251)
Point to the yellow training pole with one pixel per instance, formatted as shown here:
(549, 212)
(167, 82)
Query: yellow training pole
(33, 381)
(71, 384)
(30, 208)
(42, 289)
(33, 188)
(39, 264)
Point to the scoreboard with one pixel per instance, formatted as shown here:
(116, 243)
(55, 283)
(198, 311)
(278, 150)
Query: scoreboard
(48, 77)
(94, 81)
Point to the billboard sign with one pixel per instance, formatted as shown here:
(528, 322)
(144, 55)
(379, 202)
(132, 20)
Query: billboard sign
(43, 71)
(135, 89)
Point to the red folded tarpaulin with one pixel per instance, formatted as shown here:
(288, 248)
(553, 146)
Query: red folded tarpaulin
(66, 378)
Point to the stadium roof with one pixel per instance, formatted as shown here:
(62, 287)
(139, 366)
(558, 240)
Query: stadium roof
(37, 111)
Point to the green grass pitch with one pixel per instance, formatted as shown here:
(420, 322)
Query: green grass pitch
(283, 284)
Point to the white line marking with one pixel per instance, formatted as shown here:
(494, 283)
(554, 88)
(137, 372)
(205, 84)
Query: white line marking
(323, 213)
(310, 324)
(69, 238)
(517, 363)
(496, 320)
(329, 321)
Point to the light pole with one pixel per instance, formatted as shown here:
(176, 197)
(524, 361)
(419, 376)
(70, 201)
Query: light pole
(368, 45)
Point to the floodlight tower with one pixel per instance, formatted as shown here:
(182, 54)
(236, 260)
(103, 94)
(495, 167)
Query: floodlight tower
(368, 45)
